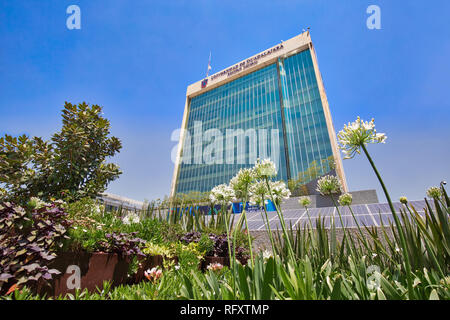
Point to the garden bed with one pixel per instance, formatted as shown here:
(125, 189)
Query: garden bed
(95, 268)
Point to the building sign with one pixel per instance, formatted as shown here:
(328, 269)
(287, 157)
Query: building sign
(204, 83)
(244, 64)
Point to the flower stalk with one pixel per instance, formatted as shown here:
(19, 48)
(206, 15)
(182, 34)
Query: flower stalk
(397, 221)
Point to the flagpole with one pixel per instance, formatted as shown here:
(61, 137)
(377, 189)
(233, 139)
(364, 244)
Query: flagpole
(209, 65)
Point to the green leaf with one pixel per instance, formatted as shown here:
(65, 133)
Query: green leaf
(434, 295)
(380, 294)
(336, 294)
(243, 283)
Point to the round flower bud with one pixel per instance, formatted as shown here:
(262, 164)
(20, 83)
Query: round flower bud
(434, 192)
(304, 201)
(345, 199)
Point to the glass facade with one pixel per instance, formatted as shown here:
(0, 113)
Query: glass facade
(308, 143)
(273, 112)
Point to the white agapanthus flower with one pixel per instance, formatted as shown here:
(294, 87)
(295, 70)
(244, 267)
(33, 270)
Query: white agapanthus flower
(258, 192)
(304, 201)
(222, 193)
(241, 182)
(328, 185)
(279, 191)
(357, 133)
(265, 168)
(131, 218)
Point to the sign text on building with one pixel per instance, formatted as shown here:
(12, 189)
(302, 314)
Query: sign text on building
(246, 64)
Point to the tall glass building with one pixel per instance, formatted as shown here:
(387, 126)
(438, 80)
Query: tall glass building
(271, 105)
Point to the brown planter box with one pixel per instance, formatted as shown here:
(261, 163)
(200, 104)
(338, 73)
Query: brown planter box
(94, 269)
(225, 261)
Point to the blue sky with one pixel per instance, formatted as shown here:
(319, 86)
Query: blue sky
(136, 58)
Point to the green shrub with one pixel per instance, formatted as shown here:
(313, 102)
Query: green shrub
(205, 244)
(159, 250)
(153, 230)
(85, 208)
(91, 223)
(189, 256)
(71, 166)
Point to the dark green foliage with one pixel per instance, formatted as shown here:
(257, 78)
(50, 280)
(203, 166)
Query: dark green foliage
(91, 224)
(24, 166)
(154, 230)
(70, 166)
(206, 244)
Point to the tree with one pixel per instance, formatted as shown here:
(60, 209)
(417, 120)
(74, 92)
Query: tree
(293, 185)
(70, 166)
(299, 186)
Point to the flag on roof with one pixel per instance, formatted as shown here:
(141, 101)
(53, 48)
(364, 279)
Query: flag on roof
(209, 65)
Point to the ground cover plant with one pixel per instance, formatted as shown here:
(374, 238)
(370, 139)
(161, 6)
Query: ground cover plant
(29, 239)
